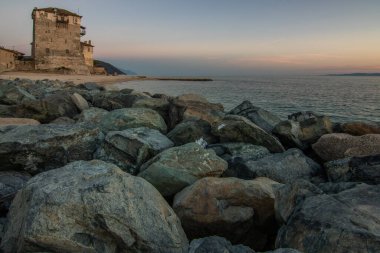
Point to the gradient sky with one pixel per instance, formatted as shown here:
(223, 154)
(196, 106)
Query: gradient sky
(217, 37)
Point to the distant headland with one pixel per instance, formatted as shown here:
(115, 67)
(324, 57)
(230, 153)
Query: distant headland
(355, 74)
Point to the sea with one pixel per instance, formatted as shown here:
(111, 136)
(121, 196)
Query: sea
(343, 98)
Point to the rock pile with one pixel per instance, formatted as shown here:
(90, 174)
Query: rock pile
(85, 169)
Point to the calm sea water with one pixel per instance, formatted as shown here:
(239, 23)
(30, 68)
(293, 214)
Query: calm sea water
(343, 98)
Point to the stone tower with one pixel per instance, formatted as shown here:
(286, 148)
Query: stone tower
(56, 42)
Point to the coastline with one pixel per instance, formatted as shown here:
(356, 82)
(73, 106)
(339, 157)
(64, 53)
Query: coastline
(78, 79)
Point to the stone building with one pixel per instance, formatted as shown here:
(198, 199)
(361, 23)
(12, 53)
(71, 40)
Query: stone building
(56, 42)
(8, 59)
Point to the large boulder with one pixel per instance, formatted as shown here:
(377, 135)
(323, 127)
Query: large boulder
(360, 128)
(10, 94)
(355, 169)
(10, 183)
(112, 100)
(92, 115)
(160, 105)
(302, 129)
(47, 109)
(44, 147)
(17, 121)
(341, 219)
(262, 118)
(193, 107)
(91, 207)
(282, 167)
(122, 119)
(337, 146)
(240, 210)
(191, 131)
(234, 128)
(178, 167)
(216, 244)
(130, 148)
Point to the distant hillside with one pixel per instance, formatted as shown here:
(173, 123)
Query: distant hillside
(356, 74)
(112, 69)
(129, 72)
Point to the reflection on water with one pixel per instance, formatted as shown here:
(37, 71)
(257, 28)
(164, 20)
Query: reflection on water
(342, 98)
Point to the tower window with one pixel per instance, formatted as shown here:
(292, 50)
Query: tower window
(67, 51)
(47, 50)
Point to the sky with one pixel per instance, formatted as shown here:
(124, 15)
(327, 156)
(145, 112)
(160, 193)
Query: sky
(217, 37)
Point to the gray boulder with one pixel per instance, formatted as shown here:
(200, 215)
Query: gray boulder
(234, 128)
(240, 210)
(190, 131)
(43, 147)
(130, 148)
(92, 115)
(338, 146)
(302, 129)
(122, 119)
(344, 218)
(178, 167)
(91, 207)
(216, 244)
(79, 101)
(112, 100)
(262, 118)
(355, 169)
(193, 107)
(10, 94)
(10, 183)
(282, 167)
(160, 105)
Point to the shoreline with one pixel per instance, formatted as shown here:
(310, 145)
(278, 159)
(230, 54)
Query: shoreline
(99, 79)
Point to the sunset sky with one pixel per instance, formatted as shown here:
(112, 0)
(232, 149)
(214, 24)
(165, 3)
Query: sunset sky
(217, 37)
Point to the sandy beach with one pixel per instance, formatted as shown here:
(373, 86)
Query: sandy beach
(77, 79)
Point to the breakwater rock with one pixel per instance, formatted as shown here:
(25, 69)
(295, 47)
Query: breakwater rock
(85, 169)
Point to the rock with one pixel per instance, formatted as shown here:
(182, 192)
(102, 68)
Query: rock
(43, 147)
(216, 244)
(175, 168)
(262, 118)
(130, 148)
(239, 129)
(337, 146)
(302, 129)
(356, 169)
(10, 94)
(7, 111)
(92, 115)
(63, 121)
(10, 183)
(240, 210)
(112, 100)
(91, 86)
(48, 108)
(345, 221)
(193, 107)
(282, 167)
(288, 196)
(17, 121)
(190, 131)
(79, 101)
(122, 119)
(360, 128)
(242, 151)
(159, 105)
(91, 207)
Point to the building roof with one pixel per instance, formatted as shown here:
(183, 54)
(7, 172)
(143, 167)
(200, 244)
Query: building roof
(11, 51)
(86, 44)
(58, 11)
